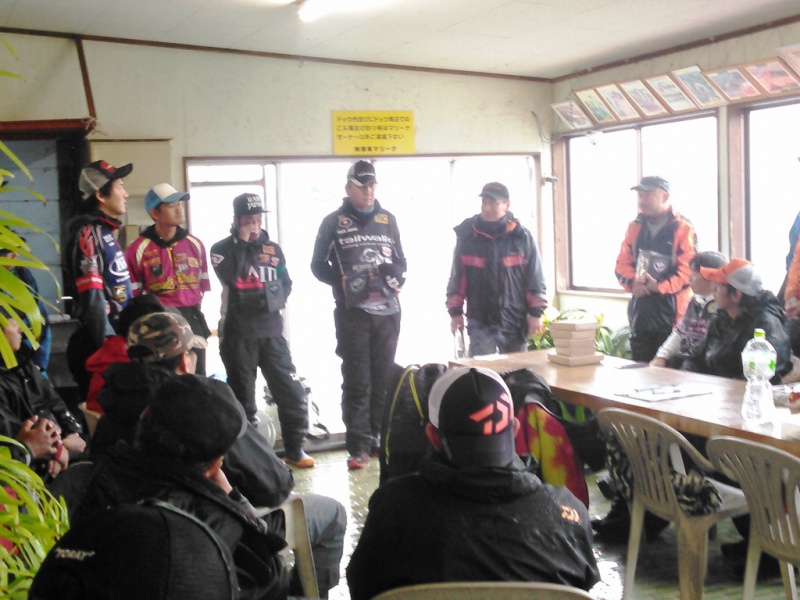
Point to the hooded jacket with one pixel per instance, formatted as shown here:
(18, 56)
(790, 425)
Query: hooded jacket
(720, 352)
(480, 524)
(499, 276)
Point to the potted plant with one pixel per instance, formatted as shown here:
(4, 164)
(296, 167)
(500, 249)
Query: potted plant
(611, 343)
(31, 521)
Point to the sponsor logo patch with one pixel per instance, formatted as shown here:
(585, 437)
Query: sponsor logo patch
(382, 218)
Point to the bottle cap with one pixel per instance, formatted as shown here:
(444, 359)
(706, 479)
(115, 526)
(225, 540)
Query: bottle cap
(759, 333)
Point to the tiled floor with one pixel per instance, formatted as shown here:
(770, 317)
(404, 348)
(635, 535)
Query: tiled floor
(656, 575)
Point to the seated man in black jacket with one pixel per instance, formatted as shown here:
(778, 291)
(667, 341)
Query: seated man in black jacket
(161, 348)
(32, 412)
(472, 513)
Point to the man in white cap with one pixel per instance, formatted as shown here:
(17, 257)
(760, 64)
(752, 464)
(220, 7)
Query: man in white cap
(472, 512)
(95, 268)
(166, 260)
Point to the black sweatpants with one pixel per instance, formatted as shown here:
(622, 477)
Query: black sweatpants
(242, 358)
(366, 344)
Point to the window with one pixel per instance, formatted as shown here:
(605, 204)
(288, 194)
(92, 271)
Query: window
(604, 166)
(773, 188)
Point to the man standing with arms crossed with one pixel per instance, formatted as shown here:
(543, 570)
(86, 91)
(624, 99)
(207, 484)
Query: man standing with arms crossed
(497, 270)
(96, 265)
(166, 260)
(358, 253)
(653, 265)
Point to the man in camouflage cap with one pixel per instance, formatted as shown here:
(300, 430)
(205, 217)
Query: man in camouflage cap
(164, 336)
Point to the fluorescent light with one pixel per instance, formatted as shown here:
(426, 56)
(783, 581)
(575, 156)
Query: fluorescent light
(314, 9)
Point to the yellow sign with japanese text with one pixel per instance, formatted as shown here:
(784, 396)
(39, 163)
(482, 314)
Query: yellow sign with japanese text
(373, 132)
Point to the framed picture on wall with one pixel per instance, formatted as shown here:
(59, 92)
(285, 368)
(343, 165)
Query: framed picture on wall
(641, 96)
(617, 102)
(670, 93)
(701, 91)
(572, 115)
(791, 54)
(595, 105)
(773, 77)
(734, 84)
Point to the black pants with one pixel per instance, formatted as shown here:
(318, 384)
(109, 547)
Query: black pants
(242, 358)
(366, 344)
(645, 344)
(80, 347)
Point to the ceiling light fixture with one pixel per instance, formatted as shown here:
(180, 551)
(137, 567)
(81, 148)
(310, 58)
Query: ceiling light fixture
(310, 10)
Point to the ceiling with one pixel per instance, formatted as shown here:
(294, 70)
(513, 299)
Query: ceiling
(528, 38)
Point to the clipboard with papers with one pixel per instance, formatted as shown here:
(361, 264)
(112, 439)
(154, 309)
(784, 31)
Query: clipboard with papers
(659, 393)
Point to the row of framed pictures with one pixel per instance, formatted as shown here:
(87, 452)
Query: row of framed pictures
(683, 90)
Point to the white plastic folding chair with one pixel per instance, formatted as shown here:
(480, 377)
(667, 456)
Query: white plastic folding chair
(654, 452)
(481, 590)
(297, 540)
(769, 478)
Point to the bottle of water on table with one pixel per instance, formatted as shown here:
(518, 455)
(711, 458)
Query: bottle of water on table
(758, 363)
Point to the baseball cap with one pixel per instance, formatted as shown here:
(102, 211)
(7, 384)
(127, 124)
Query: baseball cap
(495, 190)
(247, 204)
(148, 550)
(163, 193)
(200, 412)
(740, 273)
(473, 412)
(95, 175)
(650, 183)
(361, 173)
(160, 335)
(139, 306)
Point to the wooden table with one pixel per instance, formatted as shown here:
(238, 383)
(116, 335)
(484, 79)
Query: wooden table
(598, 386)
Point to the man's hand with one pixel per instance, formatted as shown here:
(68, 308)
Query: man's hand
(41, 438)
(658, 362)
(650, 283)
(639, 289)
(534, 325)
(792, 308)
(456, 323)
(74, 443)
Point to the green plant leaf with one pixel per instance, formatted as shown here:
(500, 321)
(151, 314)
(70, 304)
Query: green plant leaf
(13, 157)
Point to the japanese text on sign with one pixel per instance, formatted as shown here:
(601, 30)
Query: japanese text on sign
(373, 132)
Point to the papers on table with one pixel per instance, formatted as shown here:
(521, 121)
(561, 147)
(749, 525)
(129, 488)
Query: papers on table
(657, 393)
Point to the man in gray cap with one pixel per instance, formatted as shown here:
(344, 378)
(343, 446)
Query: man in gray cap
(497, 271)
(653, 265)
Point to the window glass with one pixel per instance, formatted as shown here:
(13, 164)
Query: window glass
(774, 188)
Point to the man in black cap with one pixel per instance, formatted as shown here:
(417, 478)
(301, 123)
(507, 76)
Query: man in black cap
(182, 437)
(255, 285)
(95, 268)
(358, 253)
(472, 512)
(653, 265)
(497, 270)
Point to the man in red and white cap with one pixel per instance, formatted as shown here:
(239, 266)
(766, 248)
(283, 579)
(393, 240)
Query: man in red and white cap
(743, 305)
(166, 260)
(474, 498)
(95, 268)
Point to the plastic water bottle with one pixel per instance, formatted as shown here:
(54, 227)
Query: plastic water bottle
(758, 363)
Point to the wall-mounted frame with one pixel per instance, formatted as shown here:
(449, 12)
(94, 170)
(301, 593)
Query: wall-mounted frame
(572, 115)
(641, 96)
(618, 102)
(773, 76)
(701, 91)
(734, 84)
(673, 97)
(594, 104)
(791, 55)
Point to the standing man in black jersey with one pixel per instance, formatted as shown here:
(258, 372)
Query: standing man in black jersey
(358, 253)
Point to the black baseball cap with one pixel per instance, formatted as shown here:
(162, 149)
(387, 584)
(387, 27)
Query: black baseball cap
(361, 173)
(495, 190)
(97, 174)
(650, 183)
(247, 204)
(473, 411)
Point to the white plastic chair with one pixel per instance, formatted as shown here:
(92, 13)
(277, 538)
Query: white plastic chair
(769, 478)
(298, 541)
(481, 590)
(654, 450)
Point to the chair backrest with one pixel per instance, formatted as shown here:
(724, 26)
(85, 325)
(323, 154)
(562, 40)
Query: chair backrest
(653, 450)
(298, 541)
(769, 479)
(91, 417)
(480, 590)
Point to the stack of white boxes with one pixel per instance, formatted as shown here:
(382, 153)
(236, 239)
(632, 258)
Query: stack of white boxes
(574, 342)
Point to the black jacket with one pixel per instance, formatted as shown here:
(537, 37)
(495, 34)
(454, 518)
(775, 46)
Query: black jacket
(126, 475)
(447, 524)
(720, 352)
(500, 276)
